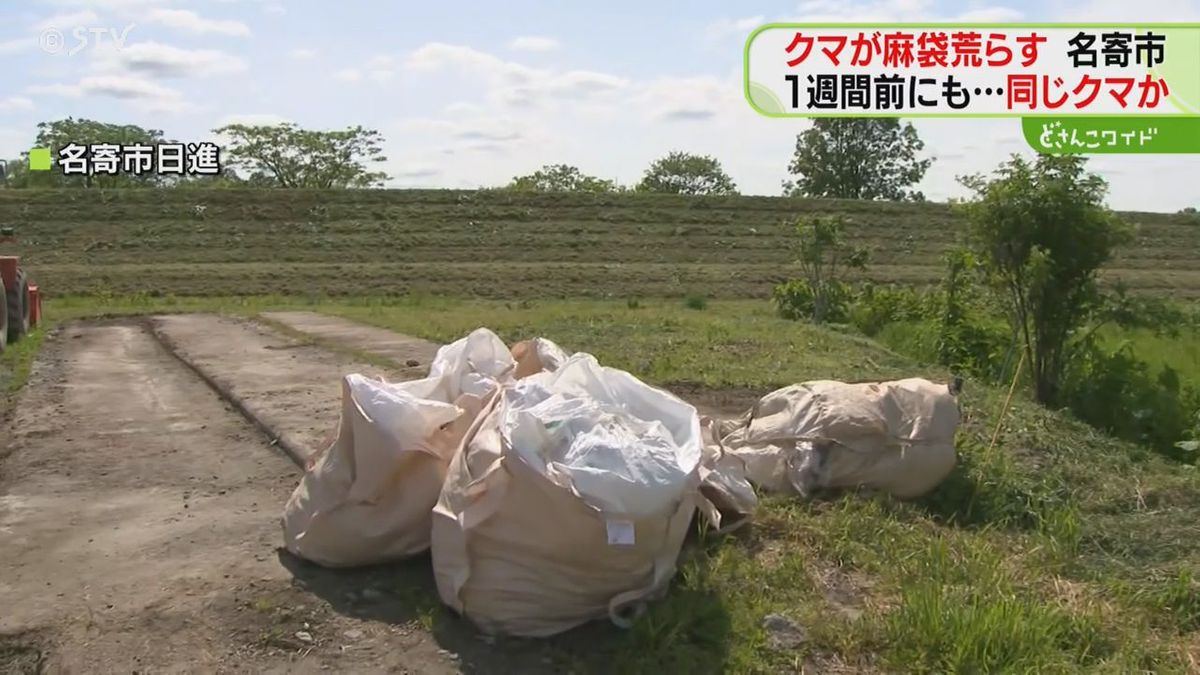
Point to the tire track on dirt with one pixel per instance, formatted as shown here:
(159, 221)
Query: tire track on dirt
(412, 354)
(289, 389)
(401, 350)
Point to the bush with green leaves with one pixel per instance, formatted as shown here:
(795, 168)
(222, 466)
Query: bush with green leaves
(796, 301)
(877, 306)
(1042, 232)
(824, 255)
(1113, 390)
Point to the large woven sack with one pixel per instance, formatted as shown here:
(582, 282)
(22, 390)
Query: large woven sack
(367, 498)
(896, 436)
(527, 545)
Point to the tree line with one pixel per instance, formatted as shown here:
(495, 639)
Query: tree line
(858, 158)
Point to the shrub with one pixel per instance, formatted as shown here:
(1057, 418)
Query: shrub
(824, 255)
(696, 302)
(1116, 392)
(796, 300)
(875, 307)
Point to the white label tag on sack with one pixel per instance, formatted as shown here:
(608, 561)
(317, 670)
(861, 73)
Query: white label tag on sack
(620, 532)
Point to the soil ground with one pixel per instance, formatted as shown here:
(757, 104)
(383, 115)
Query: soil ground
(139, 518)
(401, 350)
(292, 387)
(411, 355)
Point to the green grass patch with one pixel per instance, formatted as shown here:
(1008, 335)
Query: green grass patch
(1181, 352)
(15, 364)
(394, 242)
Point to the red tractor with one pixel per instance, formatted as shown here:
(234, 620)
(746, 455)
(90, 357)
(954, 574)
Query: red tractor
(20, 301)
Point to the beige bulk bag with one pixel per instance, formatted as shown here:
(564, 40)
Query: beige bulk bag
(525, 550)
(896, 436)
(367, 498)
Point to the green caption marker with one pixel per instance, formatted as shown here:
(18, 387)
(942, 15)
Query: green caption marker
(39, 159)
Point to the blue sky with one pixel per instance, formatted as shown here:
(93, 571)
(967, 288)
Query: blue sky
(473, 93)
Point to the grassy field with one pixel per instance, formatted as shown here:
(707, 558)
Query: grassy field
(1058, 550)
(490, 243)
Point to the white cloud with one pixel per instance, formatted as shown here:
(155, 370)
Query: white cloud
(683, 114)
(161, 60)
(813, 11)
(15, 103)
(583, 82)
(124, 87)
(487, 147)
(69, 20)
(187, 20)
(438, 55)
(511, 83)
(463, 108)
(378, 69)
(303, 54)
(108, 5)
(254, 119)
(423, 125)
(725, 27)
(487, 135)
(382, 68)
(150, 96)
(1111, 10)
(415, 171)
(990, 15)
(383, 61)
(534, 43)
(56, 89)
(482, 133)
(17, 45)
(689, 99)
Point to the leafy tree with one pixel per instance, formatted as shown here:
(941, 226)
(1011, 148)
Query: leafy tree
(302, 158)
(1042, 232)
(59, 133)
(858, 158)
(686, 174)
(561, 178)
(824, 255)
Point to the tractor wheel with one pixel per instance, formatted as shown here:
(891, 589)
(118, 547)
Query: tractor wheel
(3, 317)
(18, 308)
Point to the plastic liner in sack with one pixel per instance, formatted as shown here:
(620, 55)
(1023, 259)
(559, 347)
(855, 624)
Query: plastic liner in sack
(729, 498)
(570, 501)
(895, 436)
(368, 497)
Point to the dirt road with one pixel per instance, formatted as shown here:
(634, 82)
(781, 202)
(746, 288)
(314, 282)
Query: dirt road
(139, 529)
